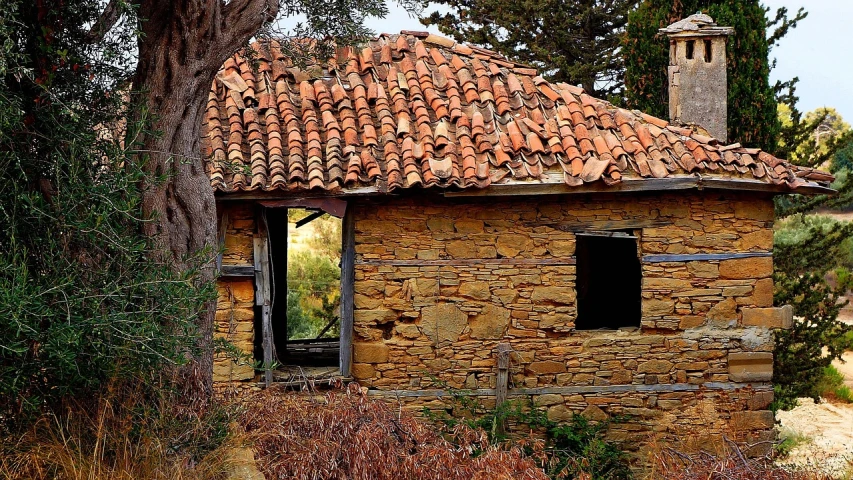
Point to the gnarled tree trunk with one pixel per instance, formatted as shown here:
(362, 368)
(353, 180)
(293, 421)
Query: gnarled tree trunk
(182, 46)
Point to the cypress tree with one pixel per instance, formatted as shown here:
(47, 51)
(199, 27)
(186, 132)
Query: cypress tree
(568, 41)
(752, 118)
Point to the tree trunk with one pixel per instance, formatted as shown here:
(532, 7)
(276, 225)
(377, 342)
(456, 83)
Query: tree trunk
(182, 46)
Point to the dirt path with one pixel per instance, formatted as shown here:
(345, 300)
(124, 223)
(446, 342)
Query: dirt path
(825, 430)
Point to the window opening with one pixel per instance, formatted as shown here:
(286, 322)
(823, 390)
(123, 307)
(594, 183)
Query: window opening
(690, 46)
(609, 281)
(305, 256)
(708, 51)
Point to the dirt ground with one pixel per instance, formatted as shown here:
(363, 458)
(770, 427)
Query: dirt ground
(824, 430)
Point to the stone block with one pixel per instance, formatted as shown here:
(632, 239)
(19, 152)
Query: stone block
(752, 420)
(548, 399)
(655, 366)
(594, 413)
(750, 366)
(655, 307)
(744, 268)
(443, 322)
(438, 224)
(770, 317)
(546, 367)
(562, 248)
(476, 290)
(369, 353)
(723, 312)
(243, 290)
(559, 413)
(762, 294)
(564, 295)
(380, 315)
(510, 245)
(703, 269)
(362, 371)
(469, 226)
(490, 323)
(762, 239)
(691, 321)
(228, 371)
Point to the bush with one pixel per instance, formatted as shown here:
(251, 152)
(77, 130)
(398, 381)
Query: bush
(831, 386)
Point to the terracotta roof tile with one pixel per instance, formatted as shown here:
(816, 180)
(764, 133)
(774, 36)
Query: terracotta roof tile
(416, 109)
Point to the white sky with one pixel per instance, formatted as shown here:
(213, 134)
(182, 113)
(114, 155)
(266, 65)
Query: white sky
(818, 51)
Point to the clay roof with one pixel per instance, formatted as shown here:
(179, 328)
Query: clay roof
(418, 110)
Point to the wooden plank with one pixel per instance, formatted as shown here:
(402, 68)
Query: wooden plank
(262, 292)
(461, 262)
(237, 271)
(309, 219)
(602, 225)
(576, 389)
(347, 290)
(502, 382)
(702, 257)
(223, 227)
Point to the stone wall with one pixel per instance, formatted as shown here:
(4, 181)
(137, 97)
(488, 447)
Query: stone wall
(439, 285)
(427, 307)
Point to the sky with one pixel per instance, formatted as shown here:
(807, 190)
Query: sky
(818, 51)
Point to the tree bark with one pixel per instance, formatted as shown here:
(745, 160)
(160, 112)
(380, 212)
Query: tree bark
(182, 46)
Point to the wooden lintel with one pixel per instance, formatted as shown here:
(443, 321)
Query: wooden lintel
(602, 225)
(237, 271)
(461, 262)
(702, 257)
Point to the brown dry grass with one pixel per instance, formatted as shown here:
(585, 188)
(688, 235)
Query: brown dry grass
(344, 435)
(670, 464)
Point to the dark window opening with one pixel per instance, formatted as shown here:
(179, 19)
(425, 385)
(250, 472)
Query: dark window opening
(609, 281)
(708, 51)
(305, 271)
(690, 46)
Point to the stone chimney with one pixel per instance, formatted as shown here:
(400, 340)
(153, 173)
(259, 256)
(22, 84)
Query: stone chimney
(698, 89)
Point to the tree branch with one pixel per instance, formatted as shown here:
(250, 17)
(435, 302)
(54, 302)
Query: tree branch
(109, 17)
(244, 18)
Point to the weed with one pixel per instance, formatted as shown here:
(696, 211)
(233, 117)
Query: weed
(831, 386)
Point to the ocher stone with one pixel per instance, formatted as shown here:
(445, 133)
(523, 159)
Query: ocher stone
(469, 226)
(362, 371)
(762, 239)
(380, 315)
(557, 320)
(427, 287)
(477, 290)
(752, 420)
(703, 269)
(243, 290)
(369, 352)
(443, 322)
(235, 315)
(408, 331)
(547, 367)
(750, 366)
(369, 288)
(559, 413)
(778, 317)
(723, 312)
(655, 307)
(491, 322)
(594, 413)
(564, 295)
(510, 245)
(363, 301)
(461, 249)
(744, 268)
(691, 321)
(562, 248)
(548, 399)
(655, 366)
(438, 224)
(762, 294)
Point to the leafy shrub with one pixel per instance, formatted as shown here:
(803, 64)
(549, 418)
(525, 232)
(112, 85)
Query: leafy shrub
(831, 386)
(574, 449)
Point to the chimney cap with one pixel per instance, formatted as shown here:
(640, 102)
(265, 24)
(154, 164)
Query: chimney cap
(697, 24)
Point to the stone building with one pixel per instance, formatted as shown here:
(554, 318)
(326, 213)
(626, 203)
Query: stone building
(503, 235)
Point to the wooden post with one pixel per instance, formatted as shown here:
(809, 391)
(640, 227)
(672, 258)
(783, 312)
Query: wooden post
(502, 381)
(347, 290)
(223, 227)
(262, 292)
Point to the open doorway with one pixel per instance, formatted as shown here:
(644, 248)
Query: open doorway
(305, 277)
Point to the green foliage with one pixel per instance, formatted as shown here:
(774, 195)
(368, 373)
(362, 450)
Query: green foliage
(313, 280)
(805, 250)
(82, 298)
(574, 449)
(576, 42)
(752, 101)
(831, 386)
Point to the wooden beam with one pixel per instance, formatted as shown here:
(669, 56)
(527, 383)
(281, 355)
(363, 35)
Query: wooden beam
(347, 290)
(702, 257)
(461, 262)
(237, 271)
(309, 219)
(262, 291)
(602, 225)
(333, 206)
(502, 381)
(223, 227)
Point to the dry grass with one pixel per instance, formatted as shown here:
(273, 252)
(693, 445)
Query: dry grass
(118, 436)
(670, 464)
(344, 435)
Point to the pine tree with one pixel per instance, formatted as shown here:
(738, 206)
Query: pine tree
(569, 41)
